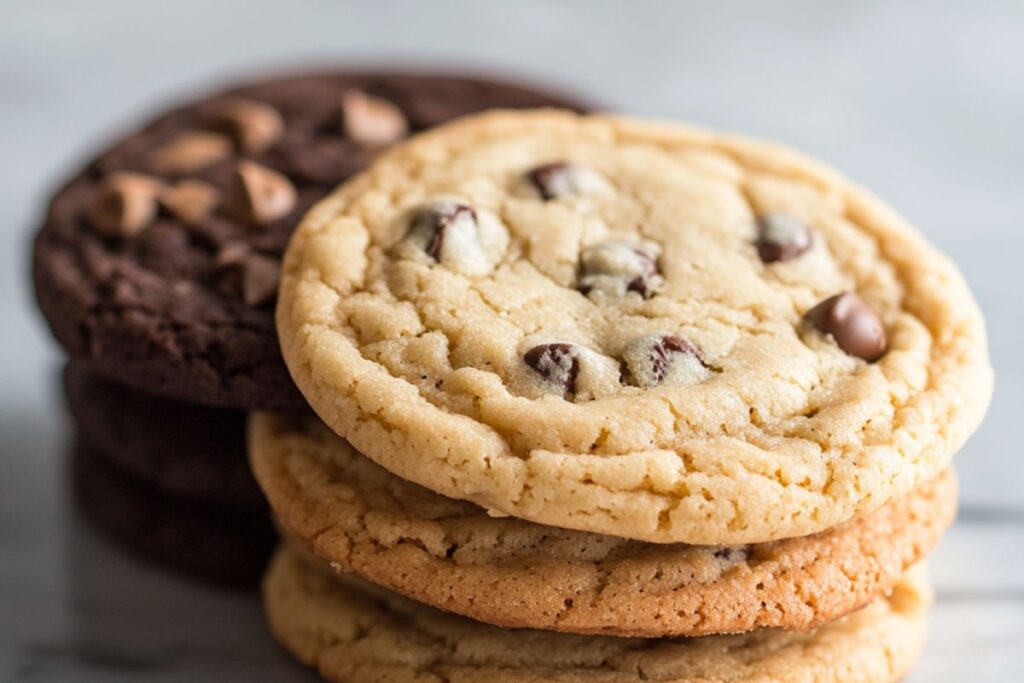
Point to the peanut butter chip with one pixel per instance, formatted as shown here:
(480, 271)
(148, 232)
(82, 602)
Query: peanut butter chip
(260, 277)
(371, 120)
(259, 195)
(254, 126)
(125, 205)
(191, 152)
(191, 201)
(855, 327)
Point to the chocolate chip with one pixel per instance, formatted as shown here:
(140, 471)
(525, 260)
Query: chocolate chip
(125, 205)
(260, 277)
(432, 225)
(231, 254)
(248, 275)
(371, 120)
(557, 364)
(615, 268)
(253, 126)
(191, 152)
(782, 237)
(664, 359)
(191, 201)
(450, 232)
(854, 326)
(560, 179)
(259, 194)
(733, 554)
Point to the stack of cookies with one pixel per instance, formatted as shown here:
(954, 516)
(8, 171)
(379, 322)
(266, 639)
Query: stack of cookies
(605, 399)
(157, 269)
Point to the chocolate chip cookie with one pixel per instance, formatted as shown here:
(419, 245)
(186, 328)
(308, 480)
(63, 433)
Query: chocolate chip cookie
(158, 264)
(632, 328)
(452, 555)
(351, 631)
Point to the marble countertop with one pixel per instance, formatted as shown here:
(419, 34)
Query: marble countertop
(923, 101)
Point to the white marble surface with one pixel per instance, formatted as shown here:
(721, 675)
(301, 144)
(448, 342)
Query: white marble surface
(923, 101)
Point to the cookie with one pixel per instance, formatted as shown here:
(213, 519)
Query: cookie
(157, 265)
(215, 543)
(183, 449)
(452, 555)
(632, 328)
(351, 632)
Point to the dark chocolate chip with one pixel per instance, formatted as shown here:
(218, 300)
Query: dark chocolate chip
(557, 364)
(551, 180)
(434, 222)
(560, 179)
(782, 237)
(733, 554)
(662, 350)
(855, 327)
(651, 359)
(617, 268)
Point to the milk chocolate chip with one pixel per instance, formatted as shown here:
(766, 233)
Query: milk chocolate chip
(556, 364)
(615, 268)
(664, 360)
(259, 195)
(260, 277)
(125, 205)
(854, 326)
(191, 201)
(371, 120)
(782, 237)
(248, 275)
(253, 126)
(191, 152)
(561, 179)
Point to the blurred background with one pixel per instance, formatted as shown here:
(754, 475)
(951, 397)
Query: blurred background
(921, 101)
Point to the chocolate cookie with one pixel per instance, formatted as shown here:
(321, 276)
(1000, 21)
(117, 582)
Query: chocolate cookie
(205, 540)
(186, 450)
(158, 264)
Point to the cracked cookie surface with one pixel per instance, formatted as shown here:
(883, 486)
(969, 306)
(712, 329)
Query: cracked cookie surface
(157, 265)
(351, 632)
(451, 554)
(501, 358)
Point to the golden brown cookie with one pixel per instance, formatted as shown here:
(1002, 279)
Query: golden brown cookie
(633, 328)
(451, 554)
(352, 632)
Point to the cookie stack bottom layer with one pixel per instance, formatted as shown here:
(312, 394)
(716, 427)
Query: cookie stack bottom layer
(167, 480)
(353, 632)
